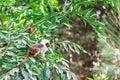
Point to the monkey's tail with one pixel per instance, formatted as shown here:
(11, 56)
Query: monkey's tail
(26, 57)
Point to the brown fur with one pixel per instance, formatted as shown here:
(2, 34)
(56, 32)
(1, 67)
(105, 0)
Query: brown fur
(33, 51)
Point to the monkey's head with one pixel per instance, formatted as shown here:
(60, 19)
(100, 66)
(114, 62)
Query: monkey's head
(45, 42)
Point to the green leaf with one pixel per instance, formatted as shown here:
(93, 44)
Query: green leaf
(71, 45)
(12, 72)
(42, 8)
(10, 24)
(77, 50)
(74, 76)
(97, 23)
(35, 69)
(10, 54)
(90, 79)
(69, 75)
(22, 21)
(5, 32)
(24, 73)
(48, 73)
(86, 11)
(88, 3)
(65, 46)
(71, 48)
(68, 25)
(100, 31)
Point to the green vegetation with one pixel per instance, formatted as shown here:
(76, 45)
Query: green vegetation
(98, 78)
(26, 22)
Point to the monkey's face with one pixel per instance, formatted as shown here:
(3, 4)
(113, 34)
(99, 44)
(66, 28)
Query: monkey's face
(45, 43)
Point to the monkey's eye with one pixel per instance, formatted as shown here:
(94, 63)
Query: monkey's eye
(47, 44)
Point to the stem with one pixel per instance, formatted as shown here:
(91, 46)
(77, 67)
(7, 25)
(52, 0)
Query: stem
(1, 22)
(6, 48)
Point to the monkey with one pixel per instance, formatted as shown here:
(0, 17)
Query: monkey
(39, 48)
(30, 30)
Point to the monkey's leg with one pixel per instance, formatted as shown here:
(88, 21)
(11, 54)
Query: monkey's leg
(38, 51)
(26, 57)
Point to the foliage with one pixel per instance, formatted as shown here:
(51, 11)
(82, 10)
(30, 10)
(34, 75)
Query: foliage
(109, 54)
(23, 23)
(98, 78)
